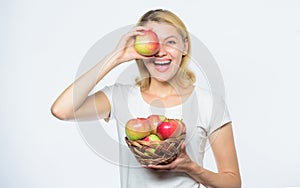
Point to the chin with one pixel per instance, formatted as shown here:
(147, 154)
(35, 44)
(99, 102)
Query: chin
(162, 76)
(162, 79)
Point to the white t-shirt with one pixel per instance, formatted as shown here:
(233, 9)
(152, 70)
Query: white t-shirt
(202, 114)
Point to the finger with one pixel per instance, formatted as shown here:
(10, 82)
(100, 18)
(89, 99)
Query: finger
(156, 169)
(145, 57)
(135, 33)
(183, 146)
(141, 28)
(161, 167)
(138, 29)
(152, 166)
(162, 170)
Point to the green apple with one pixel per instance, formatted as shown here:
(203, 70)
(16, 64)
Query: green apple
(152, 137)
(137, 129)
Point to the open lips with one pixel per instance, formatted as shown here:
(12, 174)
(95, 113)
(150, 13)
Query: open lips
(154, 128)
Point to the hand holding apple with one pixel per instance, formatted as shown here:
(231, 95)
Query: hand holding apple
(125, 50)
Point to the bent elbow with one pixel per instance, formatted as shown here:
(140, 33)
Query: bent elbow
(59, 113)
(238, 181)
(239, 184)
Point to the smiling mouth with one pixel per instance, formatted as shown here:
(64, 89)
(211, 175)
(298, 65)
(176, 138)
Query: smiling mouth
(167, 62)
(162, 65)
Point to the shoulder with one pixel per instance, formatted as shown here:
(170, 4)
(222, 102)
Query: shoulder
(202, 92)
(213, 111)
(119, 91)
(209, 100)
(204, 96)
(119, 87)
(207, 95)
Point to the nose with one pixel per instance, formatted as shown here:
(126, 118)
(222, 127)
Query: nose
(162, 51)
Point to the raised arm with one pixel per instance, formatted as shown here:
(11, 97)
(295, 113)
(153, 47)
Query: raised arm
(76, 103)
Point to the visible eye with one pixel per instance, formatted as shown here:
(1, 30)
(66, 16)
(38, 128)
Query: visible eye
(171, 42)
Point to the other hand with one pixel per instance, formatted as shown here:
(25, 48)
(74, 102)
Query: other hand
(180, 164)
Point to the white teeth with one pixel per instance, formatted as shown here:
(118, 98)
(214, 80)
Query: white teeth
(162, 62)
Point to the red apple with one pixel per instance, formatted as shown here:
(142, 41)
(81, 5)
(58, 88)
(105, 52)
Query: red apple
(169, 128)
(147, 44)
(136, 129)
(151, 137)
(154, 120)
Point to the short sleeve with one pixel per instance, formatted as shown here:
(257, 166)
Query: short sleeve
(219, 114)
(108, 91)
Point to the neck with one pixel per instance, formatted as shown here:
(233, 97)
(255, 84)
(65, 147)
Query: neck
(163, 89)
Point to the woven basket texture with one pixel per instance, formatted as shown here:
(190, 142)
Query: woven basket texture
(156, 152)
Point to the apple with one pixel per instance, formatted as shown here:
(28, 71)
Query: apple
(154, 120)
(169, 128)
(137, 129)
(147, 44)
(183, 127)
(149, 150)
(151, 137)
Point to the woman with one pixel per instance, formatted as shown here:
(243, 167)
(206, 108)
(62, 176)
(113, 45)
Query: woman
(166, 86)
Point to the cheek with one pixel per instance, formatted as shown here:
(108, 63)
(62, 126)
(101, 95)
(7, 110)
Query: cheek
(175, 51)
(176, 56)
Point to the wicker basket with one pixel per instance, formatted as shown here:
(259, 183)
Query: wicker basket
(156, 152)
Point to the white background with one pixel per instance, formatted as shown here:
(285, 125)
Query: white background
(255, 43)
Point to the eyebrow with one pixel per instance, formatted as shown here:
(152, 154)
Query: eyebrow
(171, 36)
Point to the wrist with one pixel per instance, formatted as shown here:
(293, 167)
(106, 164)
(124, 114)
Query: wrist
(114, 58)
(120, 57)
(193, 168)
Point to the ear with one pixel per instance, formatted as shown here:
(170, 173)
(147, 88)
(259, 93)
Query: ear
(186, 47)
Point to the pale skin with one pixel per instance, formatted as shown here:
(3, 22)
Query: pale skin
(172, 47)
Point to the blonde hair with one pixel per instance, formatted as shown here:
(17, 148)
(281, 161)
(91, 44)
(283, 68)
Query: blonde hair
(184, 77)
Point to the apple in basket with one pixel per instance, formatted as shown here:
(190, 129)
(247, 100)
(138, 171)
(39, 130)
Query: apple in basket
(137, 129)
(154, 120)
(151, 137)
(169, 128)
